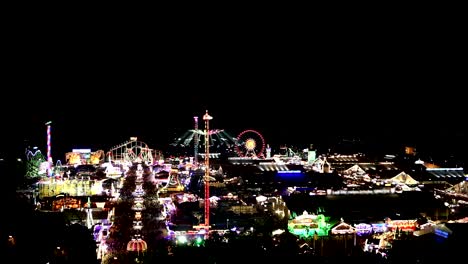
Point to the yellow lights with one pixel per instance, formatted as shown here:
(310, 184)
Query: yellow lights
(250, 144)
(137, 216)
(11, 240)
(206, 116)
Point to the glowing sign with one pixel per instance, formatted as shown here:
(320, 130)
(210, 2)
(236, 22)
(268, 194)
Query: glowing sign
(363, 229)
(441, 233)
(404, 225)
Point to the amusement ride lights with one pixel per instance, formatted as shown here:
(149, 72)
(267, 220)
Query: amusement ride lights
(207, 119)
(49, 154)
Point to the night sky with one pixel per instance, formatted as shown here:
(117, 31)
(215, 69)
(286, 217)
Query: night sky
(101, 87)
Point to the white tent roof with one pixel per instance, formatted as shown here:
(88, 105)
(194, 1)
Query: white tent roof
(355, 169)
(404, 178)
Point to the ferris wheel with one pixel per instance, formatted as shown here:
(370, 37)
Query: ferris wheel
(250, 143)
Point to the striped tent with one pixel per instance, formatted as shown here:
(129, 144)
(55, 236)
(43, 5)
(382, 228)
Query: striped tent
(137, 245)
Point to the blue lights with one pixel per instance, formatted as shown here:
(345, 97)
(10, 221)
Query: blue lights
(290, 172)
(291, 176)
(441, 233)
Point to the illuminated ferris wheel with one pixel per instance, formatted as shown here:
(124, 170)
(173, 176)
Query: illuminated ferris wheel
(250, 144)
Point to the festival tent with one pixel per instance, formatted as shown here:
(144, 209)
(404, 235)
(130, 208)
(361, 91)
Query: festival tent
(404, 178)
(343, 228)
(355, 169)
(460, 188)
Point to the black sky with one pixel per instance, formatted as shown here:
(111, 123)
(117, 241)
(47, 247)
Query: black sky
(294, 85)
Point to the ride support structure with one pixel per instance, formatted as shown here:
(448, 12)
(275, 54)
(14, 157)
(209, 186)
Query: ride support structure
(207, 119)
(132, 151)
(49, 149)
(196, 141)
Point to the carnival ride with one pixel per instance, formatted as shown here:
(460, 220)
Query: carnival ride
(35, 161)
(173, 183)
(250, 143)
(131, 151)
(307, 225)
(219, 141)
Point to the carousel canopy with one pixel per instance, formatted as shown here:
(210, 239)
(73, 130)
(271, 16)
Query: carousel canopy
(137, 245)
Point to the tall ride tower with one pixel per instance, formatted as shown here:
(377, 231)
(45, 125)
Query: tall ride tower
(207, 119)
(49, 149)
(196, 140)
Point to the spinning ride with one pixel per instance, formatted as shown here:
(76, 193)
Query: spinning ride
(250, 143)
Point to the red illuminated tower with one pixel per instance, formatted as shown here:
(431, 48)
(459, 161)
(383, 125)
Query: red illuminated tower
(207, 119)
(195, 154)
